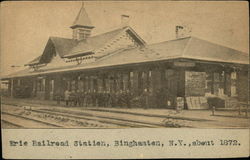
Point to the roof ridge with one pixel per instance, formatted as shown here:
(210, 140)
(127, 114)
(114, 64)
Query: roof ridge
(170, 40)
(121, 28)
(186, 47)
(114, 53)
(60, 37)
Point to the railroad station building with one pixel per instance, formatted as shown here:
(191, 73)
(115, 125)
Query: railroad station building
(184, 70)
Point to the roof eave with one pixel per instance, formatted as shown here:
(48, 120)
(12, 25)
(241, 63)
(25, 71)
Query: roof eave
(81, 26)
(136, 36)
(78, 54)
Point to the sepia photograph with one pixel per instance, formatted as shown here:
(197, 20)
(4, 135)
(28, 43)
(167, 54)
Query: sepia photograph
(124, 64)
(117, 78)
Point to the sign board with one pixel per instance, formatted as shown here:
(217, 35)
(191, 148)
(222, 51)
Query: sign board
(195, 83)
(197, 103)
(184, 64)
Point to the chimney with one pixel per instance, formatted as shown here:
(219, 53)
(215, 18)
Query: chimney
(125, 20)
(182, 31)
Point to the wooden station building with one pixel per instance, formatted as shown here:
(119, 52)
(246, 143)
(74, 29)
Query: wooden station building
(185, 69)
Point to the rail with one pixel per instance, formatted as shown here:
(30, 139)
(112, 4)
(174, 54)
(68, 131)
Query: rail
(102, 119)
(30, 119)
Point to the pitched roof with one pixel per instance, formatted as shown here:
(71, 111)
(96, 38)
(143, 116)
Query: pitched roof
(67, 48)
(187, 48)
(63, 45)
(93, 43)
(195, 48)
(82, 19)
(204, 50)
(96, 42)
(34, 61)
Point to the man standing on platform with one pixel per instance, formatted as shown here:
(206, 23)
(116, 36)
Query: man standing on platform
(66, 96)
(113, 99)
(108, 99)
(128, 98)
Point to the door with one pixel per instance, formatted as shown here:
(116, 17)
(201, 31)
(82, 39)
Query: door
(171, 88)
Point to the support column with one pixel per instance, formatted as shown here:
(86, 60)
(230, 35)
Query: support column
(12, 88)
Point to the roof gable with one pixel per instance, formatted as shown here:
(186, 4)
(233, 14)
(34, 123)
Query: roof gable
(34, 61)
(92, 44)
(46, 56)
(55, 46)
(63, 45)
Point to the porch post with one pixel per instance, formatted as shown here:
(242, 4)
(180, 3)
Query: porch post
(12, 88)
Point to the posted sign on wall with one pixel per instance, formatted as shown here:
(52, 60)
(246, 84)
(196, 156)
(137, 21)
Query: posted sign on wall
(195, 83)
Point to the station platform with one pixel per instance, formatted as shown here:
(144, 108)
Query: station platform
(221, 117)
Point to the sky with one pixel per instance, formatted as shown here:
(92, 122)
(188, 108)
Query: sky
(26, 26)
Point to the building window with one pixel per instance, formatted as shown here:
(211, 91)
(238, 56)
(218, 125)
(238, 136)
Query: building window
(233, 84)
(83, 34)
(233, 76)
(169, 73)
(218, 83)
(209, 82)
(40, 85)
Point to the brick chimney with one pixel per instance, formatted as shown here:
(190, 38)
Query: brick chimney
(125, 20)
(182, 31)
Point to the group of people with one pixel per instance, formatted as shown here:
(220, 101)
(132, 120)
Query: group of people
(128, 99)
(101, 99)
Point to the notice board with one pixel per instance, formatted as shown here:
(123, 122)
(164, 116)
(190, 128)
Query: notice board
(195, 83)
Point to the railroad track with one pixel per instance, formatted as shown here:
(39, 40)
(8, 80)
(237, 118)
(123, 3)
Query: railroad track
(12, 124)
(148, 115)
(101, 119)
(89, 120)
(21, 121)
